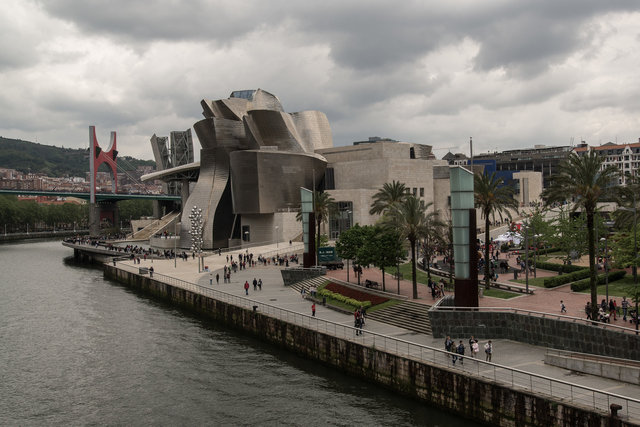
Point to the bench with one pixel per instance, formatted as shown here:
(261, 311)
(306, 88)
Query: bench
(371, 284)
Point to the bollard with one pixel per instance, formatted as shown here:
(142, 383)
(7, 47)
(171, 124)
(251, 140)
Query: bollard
(614, 409)
(255, 308)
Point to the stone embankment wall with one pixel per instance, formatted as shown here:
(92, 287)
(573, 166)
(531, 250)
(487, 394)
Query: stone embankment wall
(541, 331)
(472, 397)
(295, 275)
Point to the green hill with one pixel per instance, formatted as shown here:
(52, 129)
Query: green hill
(26, 157)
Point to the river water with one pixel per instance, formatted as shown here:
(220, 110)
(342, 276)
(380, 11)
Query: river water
(76, 349)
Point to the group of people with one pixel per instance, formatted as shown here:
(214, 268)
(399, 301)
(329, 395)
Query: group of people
(359, 317)
(474, 348)
(257, 285)
(609, 310)
(437, 289)
(278, 260)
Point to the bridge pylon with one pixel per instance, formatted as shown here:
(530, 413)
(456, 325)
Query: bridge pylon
(97, 156)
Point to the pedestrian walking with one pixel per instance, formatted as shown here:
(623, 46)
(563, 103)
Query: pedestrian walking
(460, 351)
(255, 284)
(246, 287)
(563, 308)
(313, 309)
(587, 310)
(217, 278)
(488, 351)
(625, 307)
(473, 346)
(260, 284)
(612, 309)
(151, 271)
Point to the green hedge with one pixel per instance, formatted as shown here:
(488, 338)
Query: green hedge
(339, 297)
(559, 267)
(581, 285)
(552, 282)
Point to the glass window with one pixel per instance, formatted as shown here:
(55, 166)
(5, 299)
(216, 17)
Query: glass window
(415, 191)
(421, 191)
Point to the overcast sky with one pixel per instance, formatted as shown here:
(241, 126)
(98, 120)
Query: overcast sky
(510, 74)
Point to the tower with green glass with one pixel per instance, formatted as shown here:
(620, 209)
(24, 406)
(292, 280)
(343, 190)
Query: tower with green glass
(465, 251)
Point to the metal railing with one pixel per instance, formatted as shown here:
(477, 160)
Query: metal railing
(571, 319)
(514, 378)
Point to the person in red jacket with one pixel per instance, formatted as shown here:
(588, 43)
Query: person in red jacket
(313, 309)
(246, 288)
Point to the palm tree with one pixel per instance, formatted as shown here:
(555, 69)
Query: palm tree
(586, 180)
(391, 194)
(494, 199)
(410, 220)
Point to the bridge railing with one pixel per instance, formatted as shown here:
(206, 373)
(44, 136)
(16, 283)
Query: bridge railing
(517, 379)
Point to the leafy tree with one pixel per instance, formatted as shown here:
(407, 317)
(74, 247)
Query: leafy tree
(627, 216)
(349, 244)
(586, 180)
(432, 240)
(382, 248)
(135, 208)
(390, 195)
(568, 234)
(493, 198)
(623, 249)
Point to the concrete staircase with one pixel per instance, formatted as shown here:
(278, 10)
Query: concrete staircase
(407, 314)
(307, 284)
(156, 226)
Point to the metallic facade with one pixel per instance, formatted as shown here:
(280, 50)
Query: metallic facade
(253, 161)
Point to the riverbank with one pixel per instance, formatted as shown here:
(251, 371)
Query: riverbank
(16, 237)
(419, 370)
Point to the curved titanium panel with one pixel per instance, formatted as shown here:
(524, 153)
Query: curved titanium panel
(273, 128)
(313, 129)
(265, 181)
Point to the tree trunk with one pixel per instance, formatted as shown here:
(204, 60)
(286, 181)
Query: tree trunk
(384, 289)
(318, 240)
(413, 269)
(592, 265)
(487, 266)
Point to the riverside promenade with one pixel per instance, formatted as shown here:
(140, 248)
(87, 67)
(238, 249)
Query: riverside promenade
(515, 364)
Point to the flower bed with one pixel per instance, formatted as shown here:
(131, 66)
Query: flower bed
(355, 294)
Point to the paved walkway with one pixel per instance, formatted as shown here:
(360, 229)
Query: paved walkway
(508, 353)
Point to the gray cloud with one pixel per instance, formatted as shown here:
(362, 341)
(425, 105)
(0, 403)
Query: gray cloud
(434, 72)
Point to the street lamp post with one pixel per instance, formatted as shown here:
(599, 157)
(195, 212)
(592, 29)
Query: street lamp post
(175, 244)
(605, 265)
(526, 257)
(635, 256)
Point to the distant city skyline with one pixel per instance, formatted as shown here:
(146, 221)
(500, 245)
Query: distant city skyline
(509, 74)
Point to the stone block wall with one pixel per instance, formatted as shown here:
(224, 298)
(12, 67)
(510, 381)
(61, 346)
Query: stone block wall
(295, 275)
(468, 396)
(546, 332)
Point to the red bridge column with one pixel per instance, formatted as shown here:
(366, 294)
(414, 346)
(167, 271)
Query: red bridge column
(97, 156)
